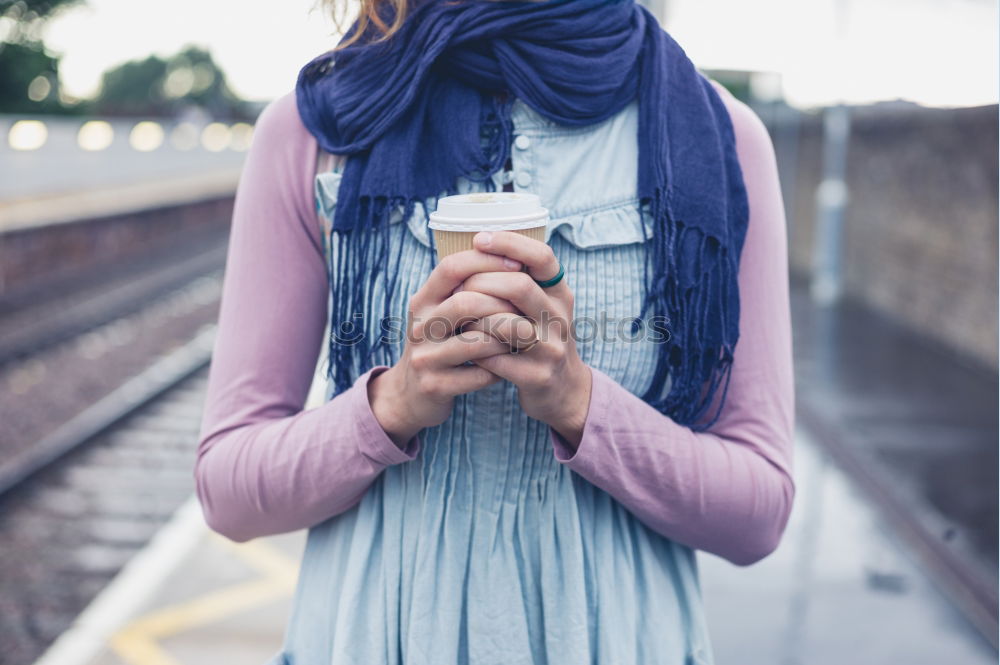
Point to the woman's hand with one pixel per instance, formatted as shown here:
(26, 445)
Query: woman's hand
(553, 382)
(418, 391)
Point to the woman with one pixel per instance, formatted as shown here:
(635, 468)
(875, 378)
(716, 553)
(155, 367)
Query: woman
(466, 504)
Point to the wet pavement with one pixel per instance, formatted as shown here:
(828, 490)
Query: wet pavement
(839, 589)
(916, 428)
(191, 597)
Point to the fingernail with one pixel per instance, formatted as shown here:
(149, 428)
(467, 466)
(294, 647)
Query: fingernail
(511, 263)
(484, 237)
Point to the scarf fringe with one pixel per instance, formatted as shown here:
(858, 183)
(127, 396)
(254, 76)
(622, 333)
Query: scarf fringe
(695, 366)
(359, 257)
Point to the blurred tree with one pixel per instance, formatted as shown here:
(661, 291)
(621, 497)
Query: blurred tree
(736, 81)
(25, 18)
(159, 87)
(132, 88)
(29, 80)
(29, 75)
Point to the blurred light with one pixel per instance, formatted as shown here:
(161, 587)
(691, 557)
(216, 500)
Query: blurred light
(66, 98)
(27, 135)
(39, 88)
(204, 77)
(215, 136)
(184, 136)
(95, 135)
(146, 136)
(179, 82)
(242, 133)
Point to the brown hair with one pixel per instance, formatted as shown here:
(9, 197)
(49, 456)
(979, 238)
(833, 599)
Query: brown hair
(369, 14)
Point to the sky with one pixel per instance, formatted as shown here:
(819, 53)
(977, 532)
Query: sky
(260, 45)
(934, 52)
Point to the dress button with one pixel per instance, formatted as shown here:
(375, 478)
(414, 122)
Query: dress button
(523, 179)
(522, 142)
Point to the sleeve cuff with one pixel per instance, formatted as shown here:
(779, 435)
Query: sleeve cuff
(374, 442)
(595, 423)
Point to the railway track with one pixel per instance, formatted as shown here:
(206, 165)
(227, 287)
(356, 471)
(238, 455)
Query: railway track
(102, 382)
(33, 321)
(67, 348)
(110, 479)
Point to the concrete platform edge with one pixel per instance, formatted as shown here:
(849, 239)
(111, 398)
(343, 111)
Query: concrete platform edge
(138, 580)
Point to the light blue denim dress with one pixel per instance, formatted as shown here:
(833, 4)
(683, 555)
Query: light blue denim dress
(485, 549)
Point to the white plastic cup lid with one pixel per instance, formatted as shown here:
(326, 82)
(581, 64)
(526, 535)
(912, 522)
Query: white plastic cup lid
(509, 210)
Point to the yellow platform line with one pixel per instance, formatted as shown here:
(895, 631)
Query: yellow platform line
(138, 643)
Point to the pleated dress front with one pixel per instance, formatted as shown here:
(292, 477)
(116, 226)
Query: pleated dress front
(486, 549)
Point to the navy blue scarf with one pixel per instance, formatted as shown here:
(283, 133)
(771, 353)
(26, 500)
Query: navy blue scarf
(418, 110)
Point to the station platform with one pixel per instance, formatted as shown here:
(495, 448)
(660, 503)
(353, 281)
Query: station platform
(26, 213)
(839, 589)
(191, 596)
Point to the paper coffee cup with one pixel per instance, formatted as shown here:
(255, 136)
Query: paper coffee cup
(460, 217)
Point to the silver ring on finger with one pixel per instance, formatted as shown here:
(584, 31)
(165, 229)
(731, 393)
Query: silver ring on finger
(524, 349)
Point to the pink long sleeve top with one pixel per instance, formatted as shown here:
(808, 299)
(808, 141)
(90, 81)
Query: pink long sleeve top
(266, 466)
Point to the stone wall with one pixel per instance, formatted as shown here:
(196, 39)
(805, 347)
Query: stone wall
(920, 228)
